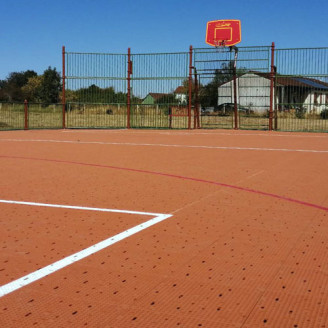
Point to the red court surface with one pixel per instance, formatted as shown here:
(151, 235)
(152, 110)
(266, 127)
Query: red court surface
(163, 228)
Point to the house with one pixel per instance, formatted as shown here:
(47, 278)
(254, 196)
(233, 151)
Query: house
(181, 94)
(303, 92)
(152, 97)
(253, 93)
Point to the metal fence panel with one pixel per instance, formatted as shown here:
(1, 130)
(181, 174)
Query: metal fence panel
(44, 116)
(214, 68)
(301, 89)
(254, 101)
(11, 116)
(95, 92)
(166, 90)
(159, 83)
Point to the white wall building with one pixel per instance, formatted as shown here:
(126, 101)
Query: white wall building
(181, 95)
(253, 93)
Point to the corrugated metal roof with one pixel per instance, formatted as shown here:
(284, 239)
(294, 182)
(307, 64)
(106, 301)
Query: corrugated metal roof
(312, 83)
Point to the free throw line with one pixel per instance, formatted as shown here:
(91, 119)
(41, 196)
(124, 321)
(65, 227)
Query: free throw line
(49, 269)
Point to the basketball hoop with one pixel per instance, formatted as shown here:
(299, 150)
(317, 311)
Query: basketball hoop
(220, 45)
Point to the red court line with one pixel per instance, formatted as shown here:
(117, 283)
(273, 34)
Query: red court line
(258, 192)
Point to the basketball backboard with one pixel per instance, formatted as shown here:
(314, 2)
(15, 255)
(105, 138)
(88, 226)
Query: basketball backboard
(225, 32)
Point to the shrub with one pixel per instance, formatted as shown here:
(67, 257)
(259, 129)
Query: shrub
(300, 112)
(324, 114)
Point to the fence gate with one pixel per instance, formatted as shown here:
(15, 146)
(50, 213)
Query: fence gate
(158, 85)
(214, 69)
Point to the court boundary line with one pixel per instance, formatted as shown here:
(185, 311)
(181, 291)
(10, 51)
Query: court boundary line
(296, 134)
(165, 145)
(68, 260)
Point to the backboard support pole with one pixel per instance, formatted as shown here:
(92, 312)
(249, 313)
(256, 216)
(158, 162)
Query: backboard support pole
(235, 49)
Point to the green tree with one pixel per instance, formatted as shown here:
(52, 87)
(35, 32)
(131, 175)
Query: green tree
(11, 88)
(31, 90)
(70, 96)
(122, 97)
(3, 96)
(50, 86)
(95, 94)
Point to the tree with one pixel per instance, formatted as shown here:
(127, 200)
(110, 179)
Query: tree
(50, 86)
(122, 97)
(70, 96)
(31, 90)
(3, 96)
(20, 79)
(11, 88)
(95, 94)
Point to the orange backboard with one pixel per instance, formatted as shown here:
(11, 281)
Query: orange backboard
(227, 31)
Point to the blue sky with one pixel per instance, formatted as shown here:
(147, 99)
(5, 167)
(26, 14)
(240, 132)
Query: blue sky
(32, 32)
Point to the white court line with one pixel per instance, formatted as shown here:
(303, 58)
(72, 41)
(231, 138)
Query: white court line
(45, 271)
(167, 145)
(197, 132)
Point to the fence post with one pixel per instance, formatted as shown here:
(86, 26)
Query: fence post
(170, 117)
(63, 91)
(235, 99)
(272, 76)
(129, 89)
(25, 115)
(190, 87)
(196, 110)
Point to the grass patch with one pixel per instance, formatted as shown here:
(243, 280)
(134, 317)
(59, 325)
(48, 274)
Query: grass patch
(114, 116)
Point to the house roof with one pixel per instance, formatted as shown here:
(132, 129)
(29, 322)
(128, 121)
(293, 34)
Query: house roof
(312, 83)
(296, 81)
(157, 95)
(180, 89)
